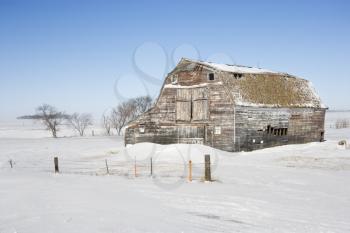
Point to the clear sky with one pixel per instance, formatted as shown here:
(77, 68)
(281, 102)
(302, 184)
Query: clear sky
(86, 56)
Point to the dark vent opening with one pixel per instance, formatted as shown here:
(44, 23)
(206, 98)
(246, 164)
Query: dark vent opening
(237, 76)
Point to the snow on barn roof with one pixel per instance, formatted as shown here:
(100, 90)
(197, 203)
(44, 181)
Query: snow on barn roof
(232, 68)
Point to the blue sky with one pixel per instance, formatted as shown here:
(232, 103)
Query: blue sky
(86, 56)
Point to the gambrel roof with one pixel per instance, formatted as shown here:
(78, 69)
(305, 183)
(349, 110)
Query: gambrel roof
(260, 87)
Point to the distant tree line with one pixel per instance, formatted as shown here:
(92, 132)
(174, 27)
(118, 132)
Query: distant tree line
(118, 118)
(52, 119)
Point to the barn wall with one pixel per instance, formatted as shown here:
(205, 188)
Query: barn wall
(299, 125)
(289, 126)
(221, 115)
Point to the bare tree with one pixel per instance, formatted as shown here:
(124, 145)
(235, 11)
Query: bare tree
(80, 122)
(107, 124)
(122, 114)
(141, 105)
(129, 110)
(48, 116)
(51, 118)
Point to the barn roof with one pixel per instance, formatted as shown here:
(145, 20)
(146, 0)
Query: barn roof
(264, 88)
(232, 68)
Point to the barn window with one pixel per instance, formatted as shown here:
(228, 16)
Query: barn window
(276, 131)
(141, 128)
(217, 130)
(268, 129)
(285, 131)
(211, 76)
(237, 76)
(174, 79)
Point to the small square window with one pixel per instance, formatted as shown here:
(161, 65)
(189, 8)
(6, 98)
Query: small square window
(141, 128)
(217, 130)
(174, 79)
(211, 76)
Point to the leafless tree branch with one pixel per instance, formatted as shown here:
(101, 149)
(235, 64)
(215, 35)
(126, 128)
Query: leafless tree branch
(80, 122)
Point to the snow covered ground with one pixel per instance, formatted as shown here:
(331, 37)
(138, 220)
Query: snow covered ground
(294, 188)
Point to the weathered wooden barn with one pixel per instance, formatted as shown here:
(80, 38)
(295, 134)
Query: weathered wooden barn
(232, 108)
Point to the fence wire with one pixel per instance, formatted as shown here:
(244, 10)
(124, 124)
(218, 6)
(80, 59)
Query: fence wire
(99, 167)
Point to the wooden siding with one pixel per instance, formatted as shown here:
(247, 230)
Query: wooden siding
(294, 125)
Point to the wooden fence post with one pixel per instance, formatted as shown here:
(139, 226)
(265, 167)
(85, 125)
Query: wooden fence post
(56, 165)
(190, 170)
(151, 167)
(207, 168)
(107, 166)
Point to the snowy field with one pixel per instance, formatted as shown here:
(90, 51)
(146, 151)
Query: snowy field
(294, 188)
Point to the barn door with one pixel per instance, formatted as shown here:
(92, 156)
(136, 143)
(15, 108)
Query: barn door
(192, 104)
(184, 105)
(200, 104)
